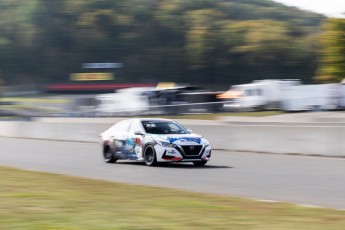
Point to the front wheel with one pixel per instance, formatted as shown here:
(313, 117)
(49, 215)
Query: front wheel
(150, 157)
(199, 163)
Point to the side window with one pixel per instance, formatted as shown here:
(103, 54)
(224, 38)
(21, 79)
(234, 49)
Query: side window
(135, 126)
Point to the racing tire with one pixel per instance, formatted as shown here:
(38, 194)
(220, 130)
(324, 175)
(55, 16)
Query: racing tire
(108, 155)
(199, 163)
(150, 157)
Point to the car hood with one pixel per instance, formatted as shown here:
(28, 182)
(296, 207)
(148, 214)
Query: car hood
(183, 139)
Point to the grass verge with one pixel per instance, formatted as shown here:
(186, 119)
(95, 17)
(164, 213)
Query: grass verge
(34, 100)
(32, 200)
(215, 116)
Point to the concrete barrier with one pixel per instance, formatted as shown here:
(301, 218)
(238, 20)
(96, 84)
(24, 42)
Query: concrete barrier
(325, 140)
(306, 140)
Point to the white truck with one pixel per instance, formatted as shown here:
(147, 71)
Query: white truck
(255, 96)
(311, 97)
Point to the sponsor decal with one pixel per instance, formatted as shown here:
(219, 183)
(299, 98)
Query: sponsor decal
(128, 150)
(92, 77)
(184, 139)
(171, 152)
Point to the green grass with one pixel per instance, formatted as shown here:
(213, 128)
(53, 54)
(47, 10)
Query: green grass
(23, 107)
(34, 100)
(33, 104)
(253, 114)
(31, 200)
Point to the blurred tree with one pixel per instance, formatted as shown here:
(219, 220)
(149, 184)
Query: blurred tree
(200, 36)
(54, 43)
(332, 57)
(2, 85)
(17, 35)
(264, 40)
(270, 49)
(197, 41)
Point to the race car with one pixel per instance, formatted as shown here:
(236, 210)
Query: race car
(154, 141)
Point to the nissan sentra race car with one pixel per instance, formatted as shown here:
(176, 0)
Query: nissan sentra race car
(153, 141)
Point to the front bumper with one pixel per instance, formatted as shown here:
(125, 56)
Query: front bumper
(186, 153)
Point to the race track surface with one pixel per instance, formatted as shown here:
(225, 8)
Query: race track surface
(298, 179)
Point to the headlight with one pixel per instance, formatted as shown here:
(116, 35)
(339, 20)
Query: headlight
(165, 144)
(207, 145)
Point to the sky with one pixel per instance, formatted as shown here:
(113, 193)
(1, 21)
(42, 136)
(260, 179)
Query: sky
(330, 8)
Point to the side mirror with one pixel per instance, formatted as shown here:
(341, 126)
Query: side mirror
(189, 130)
(138, 132)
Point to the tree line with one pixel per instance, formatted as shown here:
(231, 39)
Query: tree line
(195, 41)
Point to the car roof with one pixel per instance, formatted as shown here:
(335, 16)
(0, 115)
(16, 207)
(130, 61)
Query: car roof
(154, 119)
(145, 119)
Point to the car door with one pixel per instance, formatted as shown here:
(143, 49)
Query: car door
(136, 139)
(118, 138)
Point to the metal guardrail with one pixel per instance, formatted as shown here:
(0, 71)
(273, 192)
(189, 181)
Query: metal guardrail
(176, 108)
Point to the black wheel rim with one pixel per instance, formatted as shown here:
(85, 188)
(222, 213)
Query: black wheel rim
(149, 156)
(107, 154)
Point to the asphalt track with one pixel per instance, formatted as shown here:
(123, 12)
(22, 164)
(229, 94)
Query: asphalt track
(297, 179)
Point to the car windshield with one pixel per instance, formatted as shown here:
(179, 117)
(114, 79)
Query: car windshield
(163, 127)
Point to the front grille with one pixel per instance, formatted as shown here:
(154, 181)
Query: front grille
(191, 150)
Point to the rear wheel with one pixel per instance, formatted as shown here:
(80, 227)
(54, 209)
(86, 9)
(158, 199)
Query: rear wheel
(108, 155)
(150, 157)
(199, 163)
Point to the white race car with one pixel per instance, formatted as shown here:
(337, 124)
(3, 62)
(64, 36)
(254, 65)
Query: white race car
(154, 140)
